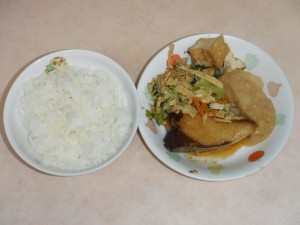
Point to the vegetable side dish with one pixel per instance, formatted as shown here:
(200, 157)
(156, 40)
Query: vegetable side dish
(211, 103)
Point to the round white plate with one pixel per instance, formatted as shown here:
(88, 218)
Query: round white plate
(16, 133)
(237, 165)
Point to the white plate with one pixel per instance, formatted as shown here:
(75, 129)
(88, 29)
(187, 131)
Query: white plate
(237, 165)
(15, 132)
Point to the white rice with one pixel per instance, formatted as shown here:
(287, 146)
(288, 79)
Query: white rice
(75, 118)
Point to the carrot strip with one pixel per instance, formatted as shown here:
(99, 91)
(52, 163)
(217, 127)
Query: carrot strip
(173, 60)
(201, 107)
(226, 99)
(175, 57)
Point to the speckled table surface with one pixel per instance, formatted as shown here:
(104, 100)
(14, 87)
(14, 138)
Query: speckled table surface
(138, 188)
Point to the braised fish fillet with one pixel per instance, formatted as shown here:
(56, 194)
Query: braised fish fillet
(214, 133)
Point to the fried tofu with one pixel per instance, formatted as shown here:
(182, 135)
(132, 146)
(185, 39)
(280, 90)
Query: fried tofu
(246, 90)
(232, 63)
(209, 51)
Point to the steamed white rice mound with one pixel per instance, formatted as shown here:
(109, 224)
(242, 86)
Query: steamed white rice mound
(75, 118)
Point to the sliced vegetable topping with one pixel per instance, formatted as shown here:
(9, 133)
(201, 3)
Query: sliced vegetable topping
(190, 89)
(204, 76)
(174, 59)
(200, 106)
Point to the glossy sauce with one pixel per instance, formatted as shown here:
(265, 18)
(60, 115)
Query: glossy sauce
(219, 153)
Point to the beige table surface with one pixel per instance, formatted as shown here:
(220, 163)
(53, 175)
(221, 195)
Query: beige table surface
(137, 188)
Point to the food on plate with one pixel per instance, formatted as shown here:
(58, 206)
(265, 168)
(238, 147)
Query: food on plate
(209, 51)
(246, 90)
(74, 118)
(211, 103)
(189, 134)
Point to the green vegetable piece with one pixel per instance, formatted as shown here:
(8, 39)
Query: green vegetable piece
(218, 93)
(169, 93)
(160, 118)
(149, 114)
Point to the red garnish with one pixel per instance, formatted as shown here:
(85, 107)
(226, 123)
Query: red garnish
(174, 59)
(256, 156)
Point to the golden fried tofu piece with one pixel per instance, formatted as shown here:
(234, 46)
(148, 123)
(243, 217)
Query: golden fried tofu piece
(246, 90)
(232, 63)
(209, 51)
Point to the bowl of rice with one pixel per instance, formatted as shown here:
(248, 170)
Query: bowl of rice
(71, 112)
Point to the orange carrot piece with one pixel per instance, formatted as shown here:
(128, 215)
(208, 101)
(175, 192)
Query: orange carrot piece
(174, 59)
(201, 107)
(226, 99)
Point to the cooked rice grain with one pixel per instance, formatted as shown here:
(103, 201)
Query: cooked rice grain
(75, 118)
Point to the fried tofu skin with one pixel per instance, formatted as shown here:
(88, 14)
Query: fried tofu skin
(209, 51)
(246, 90)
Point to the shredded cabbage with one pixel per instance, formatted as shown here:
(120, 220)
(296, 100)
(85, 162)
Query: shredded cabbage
(189, 89)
